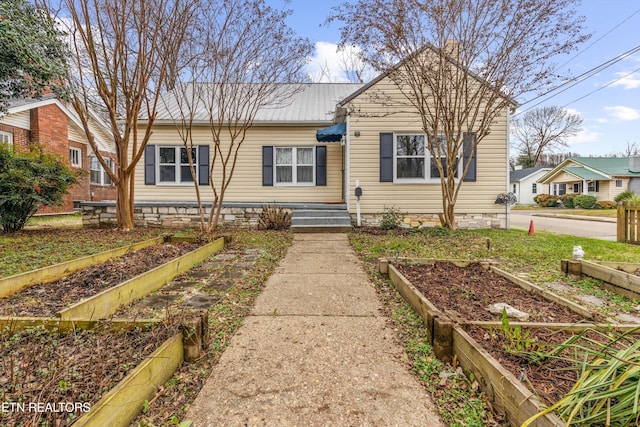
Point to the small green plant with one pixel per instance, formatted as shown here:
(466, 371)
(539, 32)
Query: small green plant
(391, 218)
(518, 341)
(584, 201)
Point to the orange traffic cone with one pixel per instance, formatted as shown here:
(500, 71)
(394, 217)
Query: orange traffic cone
(532, 231)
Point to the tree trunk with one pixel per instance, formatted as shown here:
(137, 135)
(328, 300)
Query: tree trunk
(124, 205)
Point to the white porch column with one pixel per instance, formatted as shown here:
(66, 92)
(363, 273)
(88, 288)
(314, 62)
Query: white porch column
(585, 187)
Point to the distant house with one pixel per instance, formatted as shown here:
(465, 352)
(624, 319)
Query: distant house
(525, 184)
(602, 177)
(50, 123)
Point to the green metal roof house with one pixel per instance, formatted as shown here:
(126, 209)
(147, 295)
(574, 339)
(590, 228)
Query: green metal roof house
(602, 177)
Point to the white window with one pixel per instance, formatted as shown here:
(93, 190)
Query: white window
(294, 165)
(98, 175)
(6, 138)
(412, 157)
(515, 188)
(173, 165)
(618, 183)
(75, 157)
(593, 186)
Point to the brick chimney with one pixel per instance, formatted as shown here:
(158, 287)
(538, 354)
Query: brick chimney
(49, 130)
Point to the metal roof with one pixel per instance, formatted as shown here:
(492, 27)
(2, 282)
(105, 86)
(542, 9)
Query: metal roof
(292, 103)
(517, 175)
(612, 166)
(583, 173)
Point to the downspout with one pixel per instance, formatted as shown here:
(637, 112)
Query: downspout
(508, 207)
(347, 181)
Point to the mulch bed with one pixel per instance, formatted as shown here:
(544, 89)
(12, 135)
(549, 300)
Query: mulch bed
(550, 380)
(38, 366)
(469, 291)
(45, 300)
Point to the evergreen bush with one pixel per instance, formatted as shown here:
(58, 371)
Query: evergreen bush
(29, 181)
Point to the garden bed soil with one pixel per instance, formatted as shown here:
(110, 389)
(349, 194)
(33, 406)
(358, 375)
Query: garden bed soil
(469, 291)
(45, 300)
(550, 380)
(41, 366)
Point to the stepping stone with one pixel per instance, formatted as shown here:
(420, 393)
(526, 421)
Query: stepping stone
(233, 274)
(218, 285)
(199, 274)
(512, 313)
(202, 301)
(244, 265)
(225, 257)
(627, 318)
(158, 301)
(591, 300)
(559, 286)
(176, 286)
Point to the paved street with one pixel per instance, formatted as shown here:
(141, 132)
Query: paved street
(577, 227)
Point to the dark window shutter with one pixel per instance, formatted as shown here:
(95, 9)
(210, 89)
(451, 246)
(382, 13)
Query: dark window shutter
(321, 165)
(469, 157)
(203, 165)
(150, 165)
(386, 157)
(267, 165)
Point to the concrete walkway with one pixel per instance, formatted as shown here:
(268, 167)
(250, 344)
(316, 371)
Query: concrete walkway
(315, 351)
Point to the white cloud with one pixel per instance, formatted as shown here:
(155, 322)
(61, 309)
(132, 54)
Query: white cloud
(331, 64)
(586, 136)
(631, 81)
(324, 65)
(622, 113)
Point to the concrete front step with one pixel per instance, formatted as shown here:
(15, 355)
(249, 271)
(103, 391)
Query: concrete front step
(320, 221)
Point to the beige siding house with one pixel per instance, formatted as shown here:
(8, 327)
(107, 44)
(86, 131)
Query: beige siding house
(310, 153)
(602, 177)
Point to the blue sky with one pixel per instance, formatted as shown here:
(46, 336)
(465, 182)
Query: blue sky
(611, 114)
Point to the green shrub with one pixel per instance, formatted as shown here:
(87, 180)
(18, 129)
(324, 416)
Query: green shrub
(567, 200)
(605, 204)
(29, 181)
(624, 196)
(584, 201)
(628, 197)
(546, 200)
(391, 218)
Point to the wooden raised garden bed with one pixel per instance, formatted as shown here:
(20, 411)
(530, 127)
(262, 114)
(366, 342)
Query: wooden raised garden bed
(11, 285)
(622, 278)
(98, 291)
(452, 299)
(94, 379)
(113, 404)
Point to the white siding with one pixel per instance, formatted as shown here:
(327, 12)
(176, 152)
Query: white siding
(20, 120)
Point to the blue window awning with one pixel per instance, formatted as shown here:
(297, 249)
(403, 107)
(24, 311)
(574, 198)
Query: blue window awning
(332, 133)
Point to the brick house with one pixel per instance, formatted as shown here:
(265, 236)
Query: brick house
(50, 123)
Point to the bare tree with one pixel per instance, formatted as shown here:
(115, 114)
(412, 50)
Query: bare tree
(123, 52)
(244, 59)
(543, 130)
(631, 150)
(459, 64)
